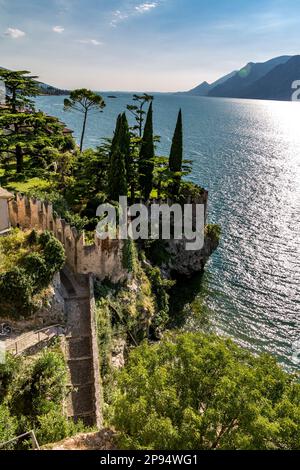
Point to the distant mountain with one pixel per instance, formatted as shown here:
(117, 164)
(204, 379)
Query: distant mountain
(51, 90)
(235, 87)
(277, 84)
(204, 88)
(200, 90)
(222, 80)
(271, 80)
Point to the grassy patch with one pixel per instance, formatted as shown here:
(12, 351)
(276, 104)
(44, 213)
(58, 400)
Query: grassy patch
(33, 184)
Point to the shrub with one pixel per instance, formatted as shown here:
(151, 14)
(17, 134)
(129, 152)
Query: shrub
(214, 231)
(28, 264)
(16, 294)
(53, 427)
(33, 391)
(53, 253)
(32, 238)
(160, 287)
(8, 426)
(48, 382)
(35, 265)
(8, 372)
(129, 256)
(195, 391)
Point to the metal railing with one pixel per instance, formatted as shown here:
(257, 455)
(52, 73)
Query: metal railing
(28, 340)
(35, 444)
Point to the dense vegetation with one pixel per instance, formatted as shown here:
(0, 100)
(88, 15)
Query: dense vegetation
(38, 155)
(187, 391)
(32, 394)
(196, 391)
(28, 262)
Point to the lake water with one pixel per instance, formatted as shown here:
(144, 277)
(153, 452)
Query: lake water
(247, 154)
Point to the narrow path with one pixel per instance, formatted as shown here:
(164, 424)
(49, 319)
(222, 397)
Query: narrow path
(82, 402)
(24, 342)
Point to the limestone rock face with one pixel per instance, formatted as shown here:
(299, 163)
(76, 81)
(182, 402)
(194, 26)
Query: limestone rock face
(182, 261)
(185, 262)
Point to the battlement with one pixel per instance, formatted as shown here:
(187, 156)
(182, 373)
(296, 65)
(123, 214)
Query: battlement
(103, 258)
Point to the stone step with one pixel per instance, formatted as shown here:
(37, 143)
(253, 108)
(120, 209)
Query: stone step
(79, 347)
(75, 284)
(81, 403)
(81, 372)
(78, 312)
(80, 358)
(81, 400)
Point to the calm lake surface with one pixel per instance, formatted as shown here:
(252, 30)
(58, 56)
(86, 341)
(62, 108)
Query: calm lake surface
(247, 154)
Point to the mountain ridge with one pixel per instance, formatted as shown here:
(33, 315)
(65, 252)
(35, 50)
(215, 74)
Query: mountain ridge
(270, 80)
(246, 76)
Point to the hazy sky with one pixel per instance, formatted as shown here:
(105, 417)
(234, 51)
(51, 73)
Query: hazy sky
(143, 45)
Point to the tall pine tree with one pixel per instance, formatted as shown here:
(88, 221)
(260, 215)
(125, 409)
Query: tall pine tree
(176, 155)
(146, 158)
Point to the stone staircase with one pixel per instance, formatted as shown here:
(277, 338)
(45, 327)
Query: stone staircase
(84, 398)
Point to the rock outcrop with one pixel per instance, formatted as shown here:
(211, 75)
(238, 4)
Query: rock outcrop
(185, 262)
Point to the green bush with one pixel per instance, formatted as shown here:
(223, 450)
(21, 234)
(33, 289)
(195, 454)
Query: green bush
(54, 426)
(39, 387)
(53, 253)
(48, 382)
(195, 391)
(8, 373)
(8, 427)
(16, 293)
(214, 231)
(29, 264)
(33, 391)
(160, 287)
(129, 256)
(36, 265)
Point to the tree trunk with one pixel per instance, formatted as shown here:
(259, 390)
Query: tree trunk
(83, 131)
(19, 158)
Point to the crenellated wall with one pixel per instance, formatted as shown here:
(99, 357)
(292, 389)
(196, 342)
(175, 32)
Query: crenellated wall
(103, 258)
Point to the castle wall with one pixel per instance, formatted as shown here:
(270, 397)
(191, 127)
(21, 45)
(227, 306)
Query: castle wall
(103, 258)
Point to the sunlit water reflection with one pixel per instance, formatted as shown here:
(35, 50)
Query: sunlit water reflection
(247, 153)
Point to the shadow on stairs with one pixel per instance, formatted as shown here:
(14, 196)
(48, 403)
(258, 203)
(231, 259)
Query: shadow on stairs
(83, 401)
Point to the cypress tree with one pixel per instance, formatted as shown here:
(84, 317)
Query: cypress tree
(124, 143)
(176, 154)
(117, 177)
(117, 182)
(146, 158)
(116, 138)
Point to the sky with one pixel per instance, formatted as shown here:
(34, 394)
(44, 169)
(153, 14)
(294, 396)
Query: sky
(143, 45)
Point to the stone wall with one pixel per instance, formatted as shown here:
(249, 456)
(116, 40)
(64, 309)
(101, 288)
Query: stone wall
(98, 396)
(103, 258)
